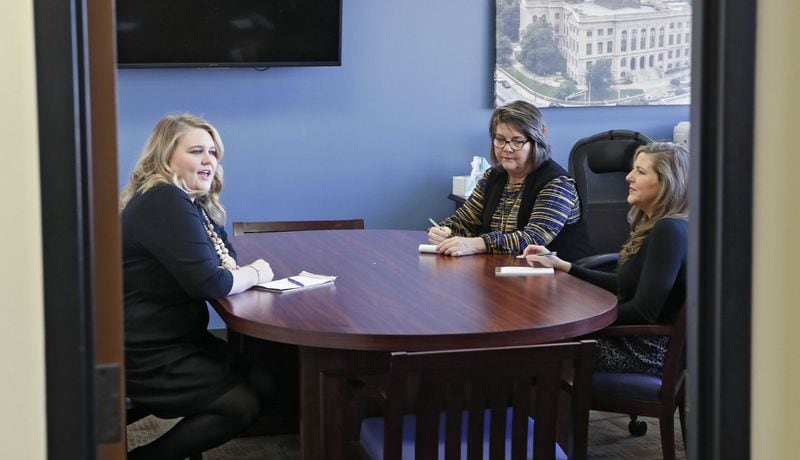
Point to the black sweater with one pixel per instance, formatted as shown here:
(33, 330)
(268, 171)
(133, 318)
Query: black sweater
(170, 267)
(173, 364)
(651, 285)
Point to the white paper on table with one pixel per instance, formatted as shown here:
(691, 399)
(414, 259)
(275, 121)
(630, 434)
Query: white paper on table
(303, 280)
(428, 248)
(523, 271)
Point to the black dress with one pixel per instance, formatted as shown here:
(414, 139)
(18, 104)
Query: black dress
(650, 288)
(173, 364)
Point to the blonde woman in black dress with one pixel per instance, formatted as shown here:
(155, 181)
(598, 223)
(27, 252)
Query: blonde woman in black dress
(176, 256)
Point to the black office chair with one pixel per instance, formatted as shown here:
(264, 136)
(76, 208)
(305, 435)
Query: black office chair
(599, 164)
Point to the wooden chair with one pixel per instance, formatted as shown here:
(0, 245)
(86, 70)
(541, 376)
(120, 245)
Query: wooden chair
(281, 415)
(240, 228)
(479, 403)
(648, 395)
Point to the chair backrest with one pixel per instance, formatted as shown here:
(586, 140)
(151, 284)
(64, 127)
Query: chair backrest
(240, 228)
(461, 392)
(599, 164)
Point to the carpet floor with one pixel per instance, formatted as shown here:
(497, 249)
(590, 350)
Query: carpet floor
(608, 439)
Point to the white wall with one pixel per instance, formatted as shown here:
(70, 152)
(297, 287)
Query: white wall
(776, 271)
(22, 427)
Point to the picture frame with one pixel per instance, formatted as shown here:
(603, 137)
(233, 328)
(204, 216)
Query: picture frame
(576, 53)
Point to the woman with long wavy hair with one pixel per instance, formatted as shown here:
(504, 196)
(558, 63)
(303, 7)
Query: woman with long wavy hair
(650, 282)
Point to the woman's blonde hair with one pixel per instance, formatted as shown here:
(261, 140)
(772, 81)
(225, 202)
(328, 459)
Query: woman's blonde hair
(671, 165)
(153, 168)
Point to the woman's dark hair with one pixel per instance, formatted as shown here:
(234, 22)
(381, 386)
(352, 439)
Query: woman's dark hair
(527, 119)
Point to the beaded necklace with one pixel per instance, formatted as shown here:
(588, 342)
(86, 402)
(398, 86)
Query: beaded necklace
(216, 241)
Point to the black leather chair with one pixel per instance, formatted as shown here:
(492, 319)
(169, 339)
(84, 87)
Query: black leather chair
(599, 164)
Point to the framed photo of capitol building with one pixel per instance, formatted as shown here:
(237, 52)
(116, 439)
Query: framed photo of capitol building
(571, 53)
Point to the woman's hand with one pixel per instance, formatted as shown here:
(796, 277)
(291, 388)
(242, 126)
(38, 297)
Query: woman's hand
(461, 246)
(531, 255)
(438, 234)
(246, 276)
(263, 270)
(229, 263)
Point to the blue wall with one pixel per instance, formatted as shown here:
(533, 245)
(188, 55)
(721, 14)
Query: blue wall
(378, 137)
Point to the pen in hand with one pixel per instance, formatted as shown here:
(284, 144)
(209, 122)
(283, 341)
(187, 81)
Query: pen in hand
(522, 256)
(433, 222)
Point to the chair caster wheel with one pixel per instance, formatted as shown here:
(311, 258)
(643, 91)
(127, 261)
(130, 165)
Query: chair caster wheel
(637, 427)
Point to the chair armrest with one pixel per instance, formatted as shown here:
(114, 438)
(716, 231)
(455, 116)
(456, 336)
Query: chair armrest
(598, 261)
(634, 329)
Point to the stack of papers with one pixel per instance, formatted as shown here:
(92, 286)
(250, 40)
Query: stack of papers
(523, 271)
(303, 280)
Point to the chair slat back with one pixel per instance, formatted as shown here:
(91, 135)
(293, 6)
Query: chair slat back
(485, 386)
(240, 228)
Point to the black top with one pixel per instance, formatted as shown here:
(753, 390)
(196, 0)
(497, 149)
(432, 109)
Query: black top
(651, 285)
(170, 269)
(571, 243)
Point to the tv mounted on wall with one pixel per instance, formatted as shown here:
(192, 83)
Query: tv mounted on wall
(228, 33)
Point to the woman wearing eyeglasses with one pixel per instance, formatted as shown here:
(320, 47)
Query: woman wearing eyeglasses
(524, 199)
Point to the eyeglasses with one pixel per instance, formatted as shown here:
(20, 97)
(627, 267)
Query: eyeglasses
(516, 144)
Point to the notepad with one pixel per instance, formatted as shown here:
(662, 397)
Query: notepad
(303, 280)
(428, 248)
(523, 271)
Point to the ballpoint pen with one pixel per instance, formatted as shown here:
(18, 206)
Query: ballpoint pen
(295, 282)
(522, 256)
(433, 222)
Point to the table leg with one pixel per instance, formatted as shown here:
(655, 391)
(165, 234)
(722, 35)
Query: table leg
(280, 414)
(330, 406)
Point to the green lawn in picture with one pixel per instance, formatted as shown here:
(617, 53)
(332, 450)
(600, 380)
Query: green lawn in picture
(630, 92)
(541, 88)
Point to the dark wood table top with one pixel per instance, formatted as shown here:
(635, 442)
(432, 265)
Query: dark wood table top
(390, 297)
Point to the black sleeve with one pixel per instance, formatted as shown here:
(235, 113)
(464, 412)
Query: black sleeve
(666, 250)
(607, 281)
(169, 227)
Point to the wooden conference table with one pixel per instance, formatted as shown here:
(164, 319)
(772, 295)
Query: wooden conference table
(388, 297)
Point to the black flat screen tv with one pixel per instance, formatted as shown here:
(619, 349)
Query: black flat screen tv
(228, 33)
